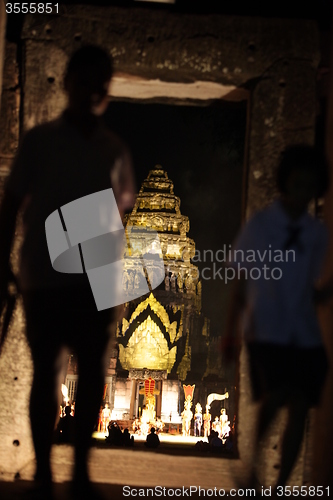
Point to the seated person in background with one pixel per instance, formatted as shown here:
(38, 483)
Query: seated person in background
(128, 440)
(115, 435)
(229, 443)
(152, 440)
(215, 441)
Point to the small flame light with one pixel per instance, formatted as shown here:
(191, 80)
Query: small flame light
(64, 391)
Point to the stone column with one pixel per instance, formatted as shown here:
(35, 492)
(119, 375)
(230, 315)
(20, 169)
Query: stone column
(323, 442)
(3, 18)
(108, 396)
(159, 398)
(113, 392)
(133, 398)
(15, 362)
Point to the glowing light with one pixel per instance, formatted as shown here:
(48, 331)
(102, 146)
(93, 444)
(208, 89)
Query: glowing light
(64, 391)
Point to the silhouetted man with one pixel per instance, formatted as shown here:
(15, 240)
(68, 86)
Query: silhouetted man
(58, 162)
(65, 429)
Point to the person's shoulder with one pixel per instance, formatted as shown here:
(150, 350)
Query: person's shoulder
(110, 134)
(112, 140)
(257, 218)
(261, 214)
(42, 130)
(255, 231)
(268, 218)
(314, 222)
(270, 212)
(316, 227)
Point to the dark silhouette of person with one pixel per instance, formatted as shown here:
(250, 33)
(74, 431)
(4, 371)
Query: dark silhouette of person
(197, 424)
(152, 440)
(70, 157)
(115, 435)
(229, 443)
(65, 431)
(288, 362)
(215, 441)
(128, 440)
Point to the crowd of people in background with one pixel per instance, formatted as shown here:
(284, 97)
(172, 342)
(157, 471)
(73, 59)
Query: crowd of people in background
(216, 444)
(117, 436)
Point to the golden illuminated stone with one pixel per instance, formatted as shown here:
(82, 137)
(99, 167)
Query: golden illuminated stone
(154, 306)
(147, 348)
(150, 345)
(185, 364)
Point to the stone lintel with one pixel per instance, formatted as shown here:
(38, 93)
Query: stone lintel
(179, 48)
(144, 374)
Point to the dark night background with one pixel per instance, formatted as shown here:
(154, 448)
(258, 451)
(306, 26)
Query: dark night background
(202, 150)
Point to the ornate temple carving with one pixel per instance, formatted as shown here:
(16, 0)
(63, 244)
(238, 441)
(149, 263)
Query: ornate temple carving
(158, 208)
(147, 348)
(144, 374)
(185, 364)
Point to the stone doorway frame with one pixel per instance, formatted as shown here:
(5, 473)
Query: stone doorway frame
(139, 375)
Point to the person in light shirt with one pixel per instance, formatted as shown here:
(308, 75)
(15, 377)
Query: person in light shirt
(276, 310)
(58, 162)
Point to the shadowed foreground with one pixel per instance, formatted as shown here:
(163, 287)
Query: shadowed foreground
(112, 469)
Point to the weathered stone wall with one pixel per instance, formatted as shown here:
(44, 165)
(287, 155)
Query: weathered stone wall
(323, 436)
(3, 19)
(275, 60)
(15, 363)
(10, 100)
(283, 106)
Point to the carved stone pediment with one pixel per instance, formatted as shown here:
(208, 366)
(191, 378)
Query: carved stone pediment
(144, 374)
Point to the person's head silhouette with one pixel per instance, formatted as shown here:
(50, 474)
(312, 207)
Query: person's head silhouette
(302, 175)
(87, 79)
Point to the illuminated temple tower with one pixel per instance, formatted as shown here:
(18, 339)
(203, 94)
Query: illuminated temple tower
(165, 336)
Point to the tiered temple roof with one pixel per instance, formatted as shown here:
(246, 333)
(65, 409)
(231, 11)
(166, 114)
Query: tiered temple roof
(158, 334)
(158, 208)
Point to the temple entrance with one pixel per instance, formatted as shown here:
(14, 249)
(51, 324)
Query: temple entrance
(139, 401)
(141, 391)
